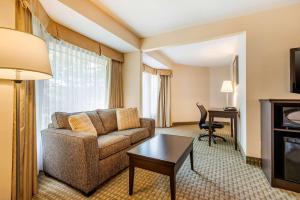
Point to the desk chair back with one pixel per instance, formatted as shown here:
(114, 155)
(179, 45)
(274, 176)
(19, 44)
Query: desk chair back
(203, 115)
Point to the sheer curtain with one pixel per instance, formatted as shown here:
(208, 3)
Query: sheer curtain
(150, 95)
(79, 82)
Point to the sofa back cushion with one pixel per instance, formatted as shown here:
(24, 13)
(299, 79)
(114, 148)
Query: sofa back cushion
(128, 118)
(97, 122)
(60, 121)
(109, 119)
(82, 123)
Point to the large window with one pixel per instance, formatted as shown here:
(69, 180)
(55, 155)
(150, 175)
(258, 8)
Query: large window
(150, 95)
(79, 83)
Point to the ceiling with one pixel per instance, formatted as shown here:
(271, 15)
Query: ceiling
(213, 53)
(150, 17)
(64, 15)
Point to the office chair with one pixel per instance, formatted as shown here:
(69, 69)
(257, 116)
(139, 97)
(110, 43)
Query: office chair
(203, 124)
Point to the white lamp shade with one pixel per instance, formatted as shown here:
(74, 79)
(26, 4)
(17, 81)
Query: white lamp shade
(227, 87)
(23, 56)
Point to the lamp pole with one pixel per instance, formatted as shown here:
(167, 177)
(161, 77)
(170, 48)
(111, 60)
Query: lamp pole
(227, 99)
(18, 157)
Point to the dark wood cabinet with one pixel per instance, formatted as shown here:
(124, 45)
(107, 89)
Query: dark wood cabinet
(272, 141)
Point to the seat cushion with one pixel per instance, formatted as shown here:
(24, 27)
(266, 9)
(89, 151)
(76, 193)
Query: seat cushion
(110, 144)
(135, 135)
(109, 119)
(215, 125)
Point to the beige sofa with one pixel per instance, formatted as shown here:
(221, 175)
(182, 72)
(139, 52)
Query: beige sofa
(84, 161)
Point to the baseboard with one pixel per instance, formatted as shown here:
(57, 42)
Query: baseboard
(184, 123)
(193, 123)
(253, 161)
(248, 159)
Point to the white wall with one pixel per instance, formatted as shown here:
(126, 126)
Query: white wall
(189, 85)
(7, 19)
(239, 96)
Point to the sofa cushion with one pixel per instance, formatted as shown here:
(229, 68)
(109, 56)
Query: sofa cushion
(110, 144)
(135, 135)
(97, 122)
(82, 123)
(60, 120)
(109, 119)
(128, 118)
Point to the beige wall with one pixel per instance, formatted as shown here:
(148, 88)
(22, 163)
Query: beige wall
(270, 35)
(132, 73)
(217, 75)
(189, 85)
(217, 99)
(7, 19)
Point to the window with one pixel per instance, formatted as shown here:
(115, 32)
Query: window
(150, 95)
(79, 83)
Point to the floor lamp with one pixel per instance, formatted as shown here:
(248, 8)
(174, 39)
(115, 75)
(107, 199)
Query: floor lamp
(22, 57)
(227, 88)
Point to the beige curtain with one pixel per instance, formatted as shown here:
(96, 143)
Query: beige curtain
(115, 88)
(164, 102)
(28, 162)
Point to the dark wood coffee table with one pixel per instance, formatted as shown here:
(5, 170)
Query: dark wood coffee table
(163, 154)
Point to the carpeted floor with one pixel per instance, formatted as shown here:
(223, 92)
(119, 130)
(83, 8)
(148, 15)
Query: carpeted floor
(221, 173)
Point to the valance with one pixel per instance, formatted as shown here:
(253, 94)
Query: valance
(61, 32)
(151, 70)
(164, 72)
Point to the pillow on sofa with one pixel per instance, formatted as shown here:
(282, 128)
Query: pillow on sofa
(128, 118)
(82, 123)
(109, 119)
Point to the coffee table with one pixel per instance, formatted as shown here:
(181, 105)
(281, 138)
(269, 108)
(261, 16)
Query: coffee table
(163, 154)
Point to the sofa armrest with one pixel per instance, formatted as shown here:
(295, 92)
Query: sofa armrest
(148, 123)
(71, 157)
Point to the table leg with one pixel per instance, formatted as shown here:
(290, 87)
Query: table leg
(173, 186)
(192, 159)
(235, 133)
(210, 130)
(131, 178)
(231, 126)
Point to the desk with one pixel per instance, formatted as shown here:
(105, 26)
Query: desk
(219, 112)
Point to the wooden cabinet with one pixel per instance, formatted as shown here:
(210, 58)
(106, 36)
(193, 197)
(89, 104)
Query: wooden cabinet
(272, 141)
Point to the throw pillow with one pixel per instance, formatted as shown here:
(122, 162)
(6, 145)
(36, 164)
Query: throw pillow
(128, 118)
(82, 123)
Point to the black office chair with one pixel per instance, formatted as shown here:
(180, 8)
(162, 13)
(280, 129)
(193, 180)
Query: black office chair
(203, 124)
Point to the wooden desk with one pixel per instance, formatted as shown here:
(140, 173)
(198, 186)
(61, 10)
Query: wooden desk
(219, 112)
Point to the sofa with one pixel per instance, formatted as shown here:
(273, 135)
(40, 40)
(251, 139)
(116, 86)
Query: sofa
(84, 161)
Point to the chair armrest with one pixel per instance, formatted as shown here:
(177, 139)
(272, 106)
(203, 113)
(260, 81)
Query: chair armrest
(71, 157)
(148, 123)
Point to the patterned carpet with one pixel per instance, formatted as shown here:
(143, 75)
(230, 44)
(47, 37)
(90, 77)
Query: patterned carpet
(221, 173)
